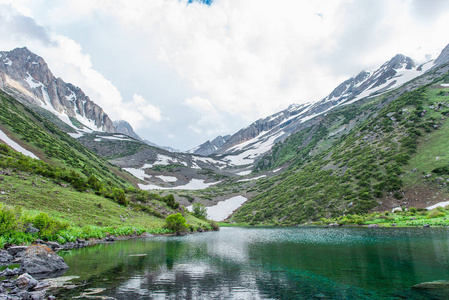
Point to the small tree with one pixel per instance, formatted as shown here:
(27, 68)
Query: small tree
(199, 211)
(170, 200)
(176, 222)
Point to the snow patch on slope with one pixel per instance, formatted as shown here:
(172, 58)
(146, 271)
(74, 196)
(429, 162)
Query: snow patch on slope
(223, 209)
(16, 146)
(194, 184)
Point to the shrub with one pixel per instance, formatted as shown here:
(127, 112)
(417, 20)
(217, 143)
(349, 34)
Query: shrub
(199, 211)
(176, 223)
(47, 226)
(435, 214)
(214, 225)
(119, 196)
(170, 200)
(8, 221)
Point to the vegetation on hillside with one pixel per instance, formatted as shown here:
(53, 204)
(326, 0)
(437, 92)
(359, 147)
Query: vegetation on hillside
(353, 160)
(71, 193)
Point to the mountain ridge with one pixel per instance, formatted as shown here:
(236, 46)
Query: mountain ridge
(27, 76)
(241, 147)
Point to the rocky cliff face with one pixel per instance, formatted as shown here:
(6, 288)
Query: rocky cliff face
(443, 58)
(210, 147)
(27, 76)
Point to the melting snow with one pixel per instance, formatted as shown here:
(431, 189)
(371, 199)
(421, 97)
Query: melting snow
(441, 204)
(223, 209)
(277, 170)
(32, 82)
(243, 173)
(76, 135)
(250, 179)
(167, 178)
(444, 84)
(16, 146)
(139, 173)
(117, 138)
(248, 156)
(194, 184)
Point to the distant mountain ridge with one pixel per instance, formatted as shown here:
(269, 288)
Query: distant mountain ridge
(248, 144)
(27, 76)
(210, 147)
(122, 126)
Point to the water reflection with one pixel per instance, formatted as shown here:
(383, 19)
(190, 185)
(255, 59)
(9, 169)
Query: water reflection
(266, 263)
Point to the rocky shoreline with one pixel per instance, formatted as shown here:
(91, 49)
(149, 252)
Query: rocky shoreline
(38, 262)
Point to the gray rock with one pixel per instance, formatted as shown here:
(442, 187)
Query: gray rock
(41, 259)
(39, 295)
(30, 229)
(53, 245)
(25, 282)
(373, 226)
(41, 285)
(5, 257)
(16, 249)
(426, 225)
(8, 272)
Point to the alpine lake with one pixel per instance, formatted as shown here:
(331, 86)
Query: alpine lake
(265, 263)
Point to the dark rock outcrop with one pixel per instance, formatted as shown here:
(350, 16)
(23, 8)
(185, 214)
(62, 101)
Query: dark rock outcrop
(40, 259)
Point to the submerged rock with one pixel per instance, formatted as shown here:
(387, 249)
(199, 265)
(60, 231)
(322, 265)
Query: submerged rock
(439, 284)
(40, 259)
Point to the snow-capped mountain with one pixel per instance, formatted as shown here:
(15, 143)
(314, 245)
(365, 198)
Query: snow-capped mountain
(26, 75)
(250, 143)
(209, 147)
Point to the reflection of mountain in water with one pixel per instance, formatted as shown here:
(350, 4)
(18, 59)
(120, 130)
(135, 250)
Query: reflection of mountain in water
(273, 263)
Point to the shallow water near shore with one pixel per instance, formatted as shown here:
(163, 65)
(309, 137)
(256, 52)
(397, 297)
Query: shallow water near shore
(265, 263)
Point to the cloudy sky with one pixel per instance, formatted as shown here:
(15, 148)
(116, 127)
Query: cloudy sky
(182, 73)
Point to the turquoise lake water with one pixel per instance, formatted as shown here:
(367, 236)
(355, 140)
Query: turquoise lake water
(265, 263)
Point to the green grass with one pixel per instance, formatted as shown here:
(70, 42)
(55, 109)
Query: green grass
(411, 217)
(85, 215)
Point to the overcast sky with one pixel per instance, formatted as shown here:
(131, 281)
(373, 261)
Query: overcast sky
(182, 73)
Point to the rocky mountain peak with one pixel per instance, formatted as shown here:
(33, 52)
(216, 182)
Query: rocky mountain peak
(443, 58)
(27, 75)
(400, 61)
(121, 126)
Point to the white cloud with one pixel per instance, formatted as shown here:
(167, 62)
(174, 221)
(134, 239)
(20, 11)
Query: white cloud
(210, 121)
(148, 110)
(243, 59)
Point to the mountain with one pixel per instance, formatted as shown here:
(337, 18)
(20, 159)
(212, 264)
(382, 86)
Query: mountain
(247, 145)
(26, 76)
(443, 58)
(122, 126)
(381, 153)
(209, 147)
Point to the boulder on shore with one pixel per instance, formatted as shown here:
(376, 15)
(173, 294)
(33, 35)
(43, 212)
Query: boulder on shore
(5, 257)
(40, 259)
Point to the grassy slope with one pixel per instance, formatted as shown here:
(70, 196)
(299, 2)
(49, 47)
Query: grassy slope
(54, 146)
(86, 213)
(360, 170)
